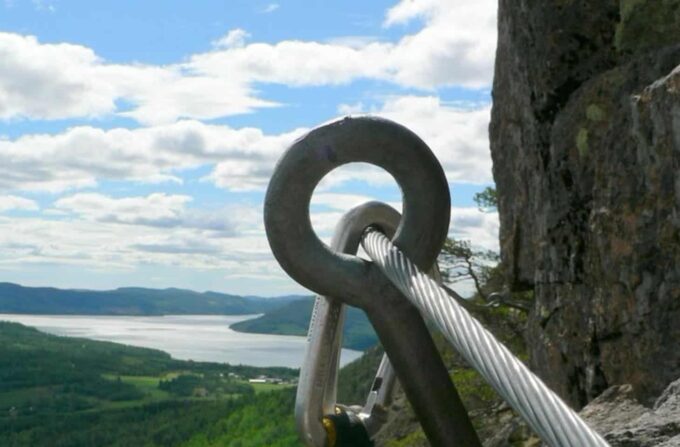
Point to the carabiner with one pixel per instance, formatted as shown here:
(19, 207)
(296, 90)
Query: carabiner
(317, 385)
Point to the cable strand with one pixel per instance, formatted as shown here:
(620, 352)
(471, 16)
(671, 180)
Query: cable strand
(555, 422)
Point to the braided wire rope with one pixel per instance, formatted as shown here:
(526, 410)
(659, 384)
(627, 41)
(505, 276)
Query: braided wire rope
(555, 422)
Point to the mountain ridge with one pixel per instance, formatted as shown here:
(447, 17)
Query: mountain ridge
(15, 298)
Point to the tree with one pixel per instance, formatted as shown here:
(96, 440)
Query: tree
(486, 200)
(459, 261)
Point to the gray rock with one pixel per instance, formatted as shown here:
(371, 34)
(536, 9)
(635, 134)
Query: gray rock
(618, 416)
(613, 409)
(626, 423)
(585, 140)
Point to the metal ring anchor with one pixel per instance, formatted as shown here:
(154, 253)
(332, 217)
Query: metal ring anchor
(426, 201)
(421, 233)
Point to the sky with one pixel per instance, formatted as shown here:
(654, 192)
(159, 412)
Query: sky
(137, 138)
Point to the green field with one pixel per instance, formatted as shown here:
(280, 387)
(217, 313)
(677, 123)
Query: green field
(266, 387)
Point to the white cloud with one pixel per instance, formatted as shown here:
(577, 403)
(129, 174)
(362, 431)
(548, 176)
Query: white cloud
(455, 46)
(125, 233)
(31, 86)
(9, 202)
(339, 201)
(234, 38)
(90, 238)
(271, 7)
(164, 94)
(92, 244)
(480, 228)
(457, 136)
(86, 86)
(407, 10)
(156, 210)
(296, 63)
(243, 158)
(352, 41)
(83, 155)
(351, 109)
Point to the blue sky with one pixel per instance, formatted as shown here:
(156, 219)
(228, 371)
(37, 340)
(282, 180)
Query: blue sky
(137, 138)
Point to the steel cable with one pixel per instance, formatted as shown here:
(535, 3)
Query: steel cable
(555, 422)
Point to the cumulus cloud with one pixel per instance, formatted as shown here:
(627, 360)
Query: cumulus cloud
(9, 202)
(30, 86)
(100, 231)
(455, 46)
(106, 245)
(457, 136)
(243, 158)
(234, 38)
(155, 210)
(473, 225)
(407, 10)
(339, 201)
(82, 155)
(87, 86)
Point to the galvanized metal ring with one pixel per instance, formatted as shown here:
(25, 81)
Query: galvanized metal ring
(426, 201)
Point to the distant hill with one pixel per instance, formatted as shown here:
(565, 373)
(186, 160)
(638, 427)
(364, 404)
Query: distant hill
(293, 319)
(131, 301)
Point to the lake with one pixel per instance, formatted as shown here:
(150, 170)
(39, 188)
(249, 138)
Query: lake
(185, 337)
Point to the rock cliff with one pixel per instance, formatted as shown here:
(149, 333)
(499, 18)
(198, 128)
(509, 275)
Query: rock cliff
(585, 140)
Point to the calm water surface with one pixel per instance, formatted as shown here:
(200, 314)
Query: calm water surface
(185, 337)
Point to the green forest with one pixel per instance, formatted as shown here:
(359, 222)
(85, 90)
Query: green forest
(293, 319)
(58, 391)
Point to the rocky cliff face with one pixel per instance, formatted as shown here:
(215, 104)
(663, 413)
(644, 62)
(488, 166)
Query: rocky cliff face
(585, 140)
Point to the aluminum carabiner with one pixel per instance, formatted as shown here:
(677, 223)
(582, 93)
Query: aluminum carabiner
(317, 385)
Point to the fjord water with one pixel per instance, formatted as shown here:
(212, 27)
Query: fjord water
(186, 337)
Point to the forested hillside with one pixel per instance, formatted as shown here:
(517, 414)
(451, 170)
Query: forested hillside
(293, 319)
(60, 391)
(130, 301)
